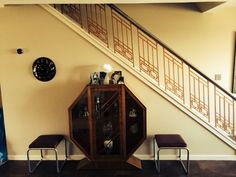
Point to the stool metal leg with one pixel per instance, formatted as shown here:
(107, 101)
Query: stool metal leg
(188, 162)
(179, 153)
(38, 163)
(57, 163)
(66, 152)
(156, 156)
(158, 161)
(66, 157)
(182, 163)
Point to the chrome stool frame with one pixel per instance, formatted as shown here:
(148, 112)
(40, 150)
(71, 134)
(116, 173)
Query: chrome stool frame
(53, 142)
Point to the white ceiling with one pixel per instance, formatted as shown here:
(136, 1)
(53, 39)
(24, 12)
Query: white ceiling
(202, 5)
(107, 1)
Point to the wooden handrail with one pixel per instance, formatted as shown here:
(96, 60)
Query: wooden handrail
(140, 27)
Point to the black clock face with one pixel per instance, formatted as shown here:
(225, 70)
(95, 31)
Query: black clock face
(44, 69)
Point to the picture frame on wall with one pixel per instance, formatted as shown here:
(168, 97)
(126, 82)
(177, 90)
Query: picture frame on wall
(234, 70)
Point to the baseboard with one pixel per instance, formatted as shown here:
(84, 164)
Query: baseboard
(212, 157)
(46, 157)
(140, 156)
(191, 157)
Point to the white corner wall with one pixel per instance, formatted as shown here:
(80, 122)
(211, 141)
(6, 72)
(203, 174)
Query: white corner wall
(32, 107)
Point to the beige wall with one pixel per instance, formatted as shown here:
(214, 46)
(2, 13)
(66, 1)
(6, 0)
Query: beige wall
(206, 40)
(32, 107)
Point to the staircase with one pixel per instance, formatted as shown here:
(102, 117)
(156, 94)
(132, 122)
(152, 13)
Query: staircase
(137, 50)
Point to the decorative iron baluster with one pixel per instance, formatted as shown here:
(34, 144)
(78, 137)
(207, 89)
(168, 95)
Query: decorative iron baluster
(122, 36)
(174, 81)
(224, 112)
(97, 23)
(199, 93)
(148, 55)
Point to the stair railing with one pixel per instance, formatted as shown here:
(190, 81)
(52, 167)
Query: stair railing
(159, 64)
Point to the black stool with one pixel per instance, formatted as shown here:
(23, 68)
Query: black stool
(47, 142)
(169, 141)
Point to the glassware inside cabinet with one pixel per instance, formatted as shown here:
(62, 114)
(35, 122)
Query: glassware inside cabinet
(106, 115)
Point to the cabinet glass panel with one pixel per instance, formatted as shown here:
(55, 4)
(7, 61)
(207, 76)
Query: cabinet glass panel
(106, 118)
(134, 122)
(80, 123)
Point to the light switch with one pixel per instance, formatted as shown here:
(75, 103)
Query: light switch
(217, 77)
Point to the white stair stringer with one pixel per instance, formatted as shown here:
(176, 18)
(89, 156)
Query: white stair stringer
(140, 75)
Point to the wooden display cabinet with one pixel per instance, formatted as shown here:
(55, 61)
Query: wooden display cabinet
(107, 123)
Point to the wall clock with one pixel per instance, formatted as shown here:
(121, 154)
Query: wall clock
(44, 69)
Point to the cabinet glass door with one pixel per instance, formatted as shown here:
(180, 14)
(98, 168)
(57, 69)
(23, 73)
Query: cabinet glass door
(135, 126)
(80, 123)
(106, 121)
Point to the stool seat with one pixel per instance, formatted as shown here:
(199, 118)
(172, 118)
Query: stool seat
(170, 140)
(46, 141)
